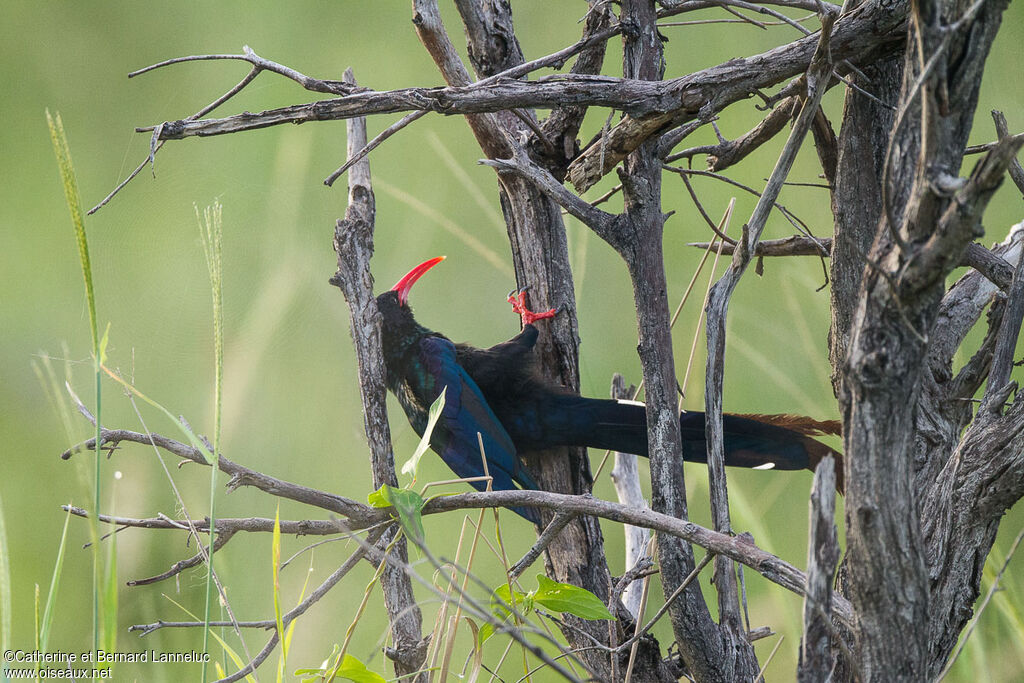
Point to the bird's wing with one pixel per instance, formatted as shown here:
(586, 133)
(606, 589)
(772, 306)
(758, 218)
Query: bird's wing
(465, 414)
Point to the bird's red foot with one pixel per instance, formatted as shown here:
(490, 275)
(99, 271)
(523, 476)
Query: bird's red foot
(518, 301)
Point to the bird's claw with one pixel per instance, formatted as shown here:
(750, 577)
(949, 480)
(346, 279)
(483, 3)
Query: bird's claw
(518, 301)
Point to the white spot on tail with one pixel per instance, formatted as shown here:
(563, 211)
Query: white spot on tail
(766, 466)
(631, 403)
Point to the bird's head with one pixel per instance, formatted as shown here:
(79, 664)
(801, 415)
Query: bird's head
(399, 327)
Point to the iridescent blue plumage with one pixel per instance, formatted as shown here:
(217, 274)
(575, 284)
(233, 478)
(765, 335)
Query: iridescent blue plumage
(499, 394)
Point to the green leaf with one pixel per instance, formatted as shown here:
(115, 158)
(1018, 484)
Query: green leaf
(567, 598)
(412, 464)
(354, 670)
(103, 344)
(502, 596)
(407, 504)
(321, 672)
(379, 498)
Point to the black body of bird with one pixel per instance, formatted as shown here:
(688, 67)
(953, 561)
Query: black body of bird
(500, 394)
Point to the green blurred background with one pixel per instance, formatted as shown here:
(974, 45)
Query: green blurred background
(291, 405)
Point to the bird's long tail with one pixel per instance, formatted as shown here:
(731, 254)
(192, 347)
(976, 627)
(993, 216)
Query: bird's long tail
(782, 442)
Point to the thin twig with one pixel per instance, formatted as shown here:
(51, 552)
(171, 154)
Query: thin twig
(375, 143)
(240, 475)
(981, 608)
(1016, 170)
(664, 608)
(760, 674)
(549, 534)
(789, 215)
(154, 148)
(294, 613)
(306, 527)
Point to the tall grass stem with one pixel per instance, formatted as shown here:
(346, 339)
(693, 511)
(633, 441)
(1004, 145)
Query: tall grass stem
(74, 202)
(211, 229)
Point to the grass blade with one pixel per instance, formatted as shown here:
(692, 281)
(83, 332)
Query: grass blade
(74, 202)
(36, 606)
(238, 661)
(275, 560)
(51, 597)
(108, 633)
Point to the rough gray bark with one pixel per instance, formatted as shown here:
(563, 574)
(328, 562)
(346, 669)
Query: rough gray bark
(730, 619)
(541, 259)
(856, 194)
(353, 240)
(887, 572)
(638, 238)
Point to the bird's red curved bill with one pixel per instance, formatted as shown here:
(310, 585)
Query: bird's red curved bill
(409, 279)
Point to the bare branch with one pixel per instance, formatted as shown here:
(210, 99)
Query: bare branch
(305, 527)
(1003, 132)
(261, 64)
(563, 124)
(764, 563)
(861, 31)
(432, 33)
(822, 555)
(738, 78)
(551, 531)
(240, 475)
(155, 147)
(353, 240)
(960, 223)
(726, 154)
(374, 144)
(597, 220)
(786, 213)
(675, 6)
(818, 75)
(992, 266)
